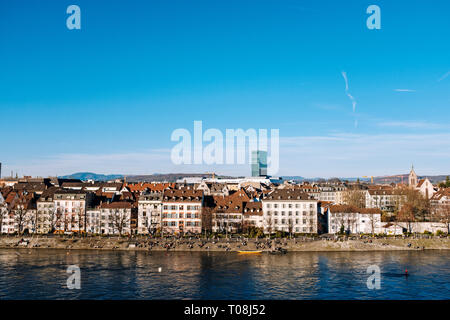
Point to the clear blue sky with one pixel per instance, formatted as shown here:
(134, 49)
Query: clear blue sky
(106, 98)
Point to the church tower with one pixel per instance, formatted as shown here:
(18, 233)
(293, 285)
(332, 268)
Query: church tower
(412, 178)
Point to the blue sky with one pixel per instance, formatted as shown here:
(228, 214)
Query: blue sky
(106, 98)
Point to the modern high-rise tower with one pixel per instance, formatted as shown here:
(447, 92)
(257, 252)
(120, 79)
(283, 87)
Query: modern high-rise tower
(259, 163)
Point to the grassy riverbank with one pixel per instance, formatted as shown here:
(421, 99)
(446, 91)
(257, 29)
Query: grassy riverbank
(171, 244)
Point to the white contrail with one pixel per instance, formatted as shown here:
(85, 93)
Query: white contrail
(444, 76)
(344, 74)
(404, 90)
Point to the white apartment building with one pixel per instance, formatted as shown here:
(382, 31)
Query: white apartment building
(116, 218)
(46, 212)
(353, 220)
(93, 220)
(290, 210)
(386, 199)
(70, 207)
(149, 212)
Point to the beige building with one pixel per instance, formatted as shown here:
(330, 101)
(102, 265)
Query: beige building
(290, 210)
(182, 209)
(70, 208)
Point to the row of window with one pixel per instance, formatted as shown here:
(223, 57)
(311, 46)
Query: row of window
(175, 224)
(297, 221)
(290, 205)
(297, 213)
(181, 207)
(181, 216)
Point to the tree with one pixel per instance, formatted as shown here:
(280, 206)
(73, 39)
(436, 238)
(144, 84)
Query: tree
(3, 212)
(290, 227)
(57, 217)
(120, 220)
(81, 217)
(268, 221)
(20, 218)
(417, 204)
(407, 214)
(443, 214)
(445, 184)
(355, 198)
(206, 217)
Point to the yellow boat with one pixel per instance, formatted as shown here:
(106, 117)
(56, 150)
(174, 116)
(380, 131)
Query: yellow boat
(249, 252)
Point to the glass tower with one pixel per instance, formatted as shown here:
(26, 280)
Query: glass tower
(259, 163)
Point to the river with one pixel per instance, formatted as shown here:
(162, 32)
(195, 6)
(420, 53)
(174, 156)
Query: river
(42, 274)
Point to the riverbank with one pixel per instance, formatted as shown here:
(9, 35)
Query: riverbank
(300, 244)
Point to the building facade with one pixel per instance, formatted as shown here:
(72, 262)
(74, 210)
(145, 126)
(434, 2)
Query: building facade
(290, 210)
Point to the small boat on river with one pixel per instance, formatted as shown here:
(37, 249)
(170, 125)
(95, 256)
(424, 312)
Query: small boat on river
(249, 251)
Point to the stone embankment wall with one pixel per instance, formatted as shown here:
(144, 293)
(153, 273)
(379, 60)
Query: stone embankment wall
(302, 244)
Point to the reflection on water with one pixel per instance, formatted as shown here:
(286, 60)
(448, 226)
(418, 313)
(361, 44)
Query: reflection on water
(41, 274)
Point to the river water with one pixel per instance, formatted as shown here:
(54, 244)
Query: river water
(42, 274)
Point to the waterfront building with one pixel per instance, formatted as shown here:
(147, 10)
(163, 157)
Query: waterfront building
(149, 212)
(93, 220)
(21, 214)
(118, 218)
(70, 208)
(253, 215)
(353, 220)
(46, 212)
(290, 210)
(227, 214)
(182, 209)
(385, 198)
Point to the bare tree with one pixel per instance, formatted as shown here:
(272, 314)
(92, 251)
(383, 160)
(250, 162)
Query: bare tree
(407, 214)
(268, 221)
(290, 227)
(81, 217)
(354, 197)
(3, 212)
(57, 217)
(120, 220)
(443, 214)
(207, 219)
(416, 204)
(20, 218)
(372, 221)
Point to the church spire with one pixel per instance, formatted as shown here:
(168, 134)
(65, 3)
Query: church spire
(412, 179)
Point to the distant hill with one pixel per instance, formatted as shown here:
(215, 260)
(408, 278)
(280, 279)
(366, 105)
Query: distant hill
(173, 177)
(92, 176)
(169, 177)
(404, 178)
